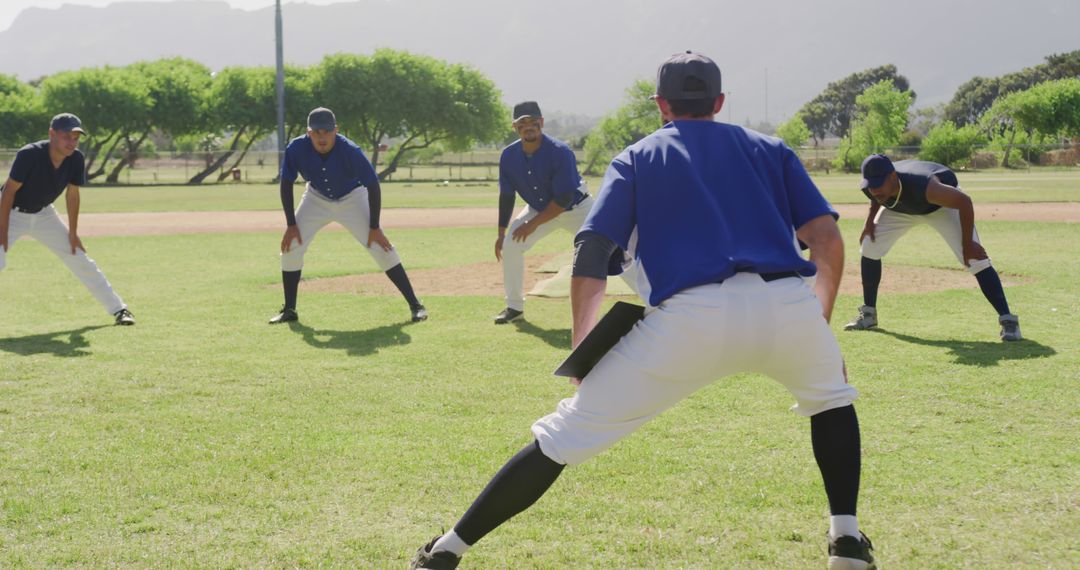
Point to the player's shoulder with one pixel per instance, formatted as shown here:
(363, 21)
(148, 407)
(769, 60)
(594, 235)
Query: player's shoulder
(348, 143)
(298, 143)
(557, 144)
(512, 147)
(34, 148)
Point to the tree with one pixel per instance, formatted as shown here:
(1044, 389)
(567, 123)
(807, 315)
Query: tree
(881, 117)
(946, 144)
(412, 101)
(794, 131)
(111, 101)
(975, 97)
(833, 109)
(22, 118)
(1049, 109)
(637, 117)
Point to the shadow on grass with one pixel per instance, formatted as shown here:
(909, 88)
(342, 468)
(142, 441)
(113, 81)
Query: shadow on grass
(64, 343)
(979, 352)
(558, 338)
(354, 343)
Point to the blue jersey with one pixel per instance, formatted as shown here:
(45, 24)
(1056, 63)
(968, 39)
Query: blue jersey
(708, 200)
(333, 176)
(548, 175)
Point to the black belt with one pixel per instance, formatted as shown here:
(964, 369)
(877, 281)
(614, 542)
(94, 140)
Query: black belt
(766, 277)
(579, 200)
(27, 210)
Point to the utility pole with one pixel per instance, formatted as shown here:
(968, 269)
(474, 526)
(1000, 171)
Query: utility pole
(280, 84)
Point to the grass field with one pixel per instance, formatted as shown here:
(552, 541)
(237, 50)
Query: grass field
(984, 186)
(203, 438)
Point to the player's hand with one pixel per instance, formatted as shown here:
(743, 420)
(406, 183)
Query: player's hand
(523, 232)
(868, 230)
(575, 381)
(973, 251)
(3, 238)
(291, 233)
(376, 235)
(75, 242)
(498, 248)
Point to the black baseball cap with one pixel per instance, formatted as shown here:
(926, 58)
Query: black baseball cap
(688, 75)
(874, 170)
(321, 118)
(66, 122)
(527, 109)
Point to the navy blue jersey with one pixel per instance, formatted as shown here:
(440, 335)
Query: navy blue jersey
(914, 177)
(708, 200)
(42, 184)
(344, 168)
(548, 175)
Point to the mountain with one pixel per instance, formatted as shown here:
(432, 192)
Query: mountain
(578, 56)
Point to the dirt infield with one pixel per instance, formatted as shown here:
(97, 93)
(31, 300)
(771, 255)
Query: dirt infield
(168, 223)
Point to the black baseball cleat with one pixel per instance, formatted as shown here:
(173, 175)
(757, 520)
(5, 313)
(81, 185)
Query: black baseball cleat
(286, 315)
(419, 313)
(425, 559)
(508, 315)
(124, 317)
(851, 553)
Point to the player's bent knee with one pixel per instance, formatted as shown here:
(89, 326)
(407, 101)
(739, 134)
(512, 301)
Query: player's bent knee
(292, 260)
(977, 265)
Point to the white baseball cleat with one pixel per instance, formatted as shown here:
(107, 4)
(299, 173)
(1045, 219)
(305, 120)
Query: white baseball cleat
(867, 319)
(1010, 327)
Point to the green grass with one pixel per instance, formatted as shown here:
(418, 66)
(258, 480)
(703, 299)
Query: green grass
(984, 186)
(203, 438)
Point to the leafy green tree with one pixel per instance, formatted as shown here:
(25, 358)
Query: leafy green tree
(111, 101)
(880, 120)
(637, 117)
(794, 131)
(412, 101)
(22, 118)
(833, 110)
(1047, 110)
(975, 97)
(947, 144)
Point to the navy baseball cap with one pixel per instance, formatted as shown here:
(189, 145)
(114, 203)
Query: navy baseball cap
(688, 75)
(66, 122)
(527, 109)
(321, 119)
(874, 170)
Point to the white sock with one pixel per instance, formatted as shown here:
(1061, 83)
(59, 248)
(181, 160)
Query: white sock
(451, 542)
(843, 525)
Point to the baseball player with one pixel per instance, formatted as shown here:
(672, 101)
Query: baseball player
(42, 171)
(544, 172)
(717, 209)
(912, 192)
(342, 187)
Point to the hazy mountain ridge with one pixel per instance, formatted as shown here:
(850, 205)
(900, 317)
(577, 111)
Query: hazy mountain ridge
(573, 56)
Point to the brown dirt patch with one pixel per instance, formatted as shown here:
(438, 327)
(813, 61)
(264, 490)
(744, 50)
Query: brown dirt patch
(486, 279)
(170, 223)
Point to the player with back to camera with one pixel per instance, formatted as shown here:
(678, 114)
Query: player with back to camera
(718, 211)
(41, 172)
(341, 187)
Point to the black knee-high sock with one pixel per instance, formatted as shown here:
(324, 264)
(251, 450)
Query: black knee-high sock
(401, 281)
(290, 281)
(523, 480)
(871, 278)
(990, 283)
(835, 435)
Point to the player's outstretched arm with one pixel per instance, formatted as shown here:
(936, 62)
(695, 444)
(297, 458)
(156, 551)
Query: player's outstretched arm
(950, 197)
(73, 200)
(550, 212)
(7, 201)
(822, 236)
(292, 232)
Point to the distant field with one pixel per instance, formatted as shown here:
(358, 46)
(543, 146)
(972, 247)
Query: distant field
(984, 186)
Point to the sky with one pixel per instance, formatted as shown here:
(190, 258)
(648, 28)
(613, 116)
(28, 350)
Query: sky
(11, 8)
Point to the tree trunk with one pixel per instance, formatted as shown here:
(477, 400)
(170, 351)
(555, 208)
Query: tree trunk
(401, 150)
(1008, 148)
(104, 162)
(225, 173)
(204, 173)
(129, 157)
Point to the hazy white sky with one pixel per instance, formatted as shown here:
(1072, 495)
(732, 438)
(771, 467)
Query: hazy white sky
(11, 8)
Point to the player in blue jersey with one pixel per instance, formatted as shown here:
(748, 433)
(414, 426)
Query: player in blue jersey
(718, 211)
(342, 187)
(543, 171)
(914, 192)
(42, 171)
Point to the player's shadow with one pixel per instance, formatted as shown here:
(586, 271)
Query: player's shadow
(356, 342)
(979, 352)
(558, 338)
(67, 344)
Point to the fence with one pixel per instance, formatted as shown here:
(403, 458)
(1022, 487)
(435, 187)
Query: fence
(482, 164)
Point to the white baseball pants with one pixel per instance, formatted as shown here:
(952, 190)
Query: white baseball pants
(890, 226)
(46, 227)
(513, 252)
(352, 212)
(693, 338)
